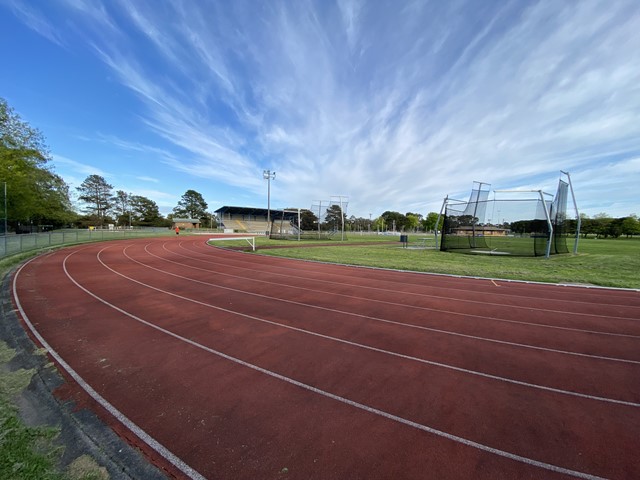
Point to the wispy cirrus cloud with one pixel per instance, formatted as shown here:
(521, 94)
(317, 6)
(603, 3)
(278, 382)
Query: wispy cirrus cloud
(396, 106)
(36, 20)
(148, 179)
(79, 167)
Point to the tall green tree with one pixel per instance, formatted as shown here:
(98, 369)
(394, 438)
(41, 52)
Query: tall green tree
(97, 194)
(191, 205)
(603, 223)
(429, 223)
(18, 134)
(413, 221)
(146, 212)
(335, 218)
(122, 207)
(35, 194)
(630, 226)
(395, 221)
(308, 220)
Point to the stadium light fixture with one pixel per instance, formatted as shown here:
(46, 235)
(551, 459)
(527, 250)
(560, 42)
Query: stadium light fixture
(268, 175)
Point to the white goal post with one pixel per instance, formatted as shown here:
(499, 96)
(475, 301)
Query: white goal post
(250, 240)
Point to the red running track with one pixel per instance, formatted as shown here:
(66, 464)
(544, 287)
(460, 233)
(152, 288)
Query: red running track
(227, 365)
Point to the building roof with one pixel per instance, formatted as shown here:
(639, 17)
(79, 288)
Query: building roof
(244, 210)
(259, 212)
(186, 220)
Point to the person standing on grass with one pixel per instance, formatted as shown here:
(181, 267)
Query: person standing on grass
(177, 230)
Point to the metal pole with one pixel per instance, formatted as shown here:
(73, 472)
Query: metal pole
(340, 197)
(475, 210)
(319, 211)
(341, 220)
(444, 202)
(578, 219)
(268, 175)
(550, 225)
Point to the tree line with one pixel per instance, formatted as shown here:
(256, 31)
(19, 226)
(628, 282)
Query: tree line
(409, 222)
(34, 198)
(388, 221)
(103, 206)
(34, 193)
(600, 226)
(605, 226)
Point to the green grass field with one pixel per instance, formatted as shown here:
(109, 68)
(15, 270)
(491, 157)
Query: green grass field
(608, 262)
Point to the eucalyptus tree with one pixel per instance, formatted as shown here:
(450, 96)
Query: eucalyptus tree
(34, 193)
(146, 212)
(191, 205)
(98, 197)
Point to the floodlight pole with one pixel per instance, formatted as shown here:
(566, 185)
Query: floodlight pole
(578, 219)
(268, 175)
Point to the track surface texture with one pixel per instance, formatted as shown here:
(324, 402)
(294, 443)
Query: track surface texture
(227, 365)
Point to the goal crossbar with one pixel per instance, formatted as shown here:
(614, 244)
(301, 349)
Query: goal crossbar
(250, 240)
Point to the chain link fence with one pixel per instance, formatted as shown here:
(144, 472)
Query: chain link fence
(16, 243)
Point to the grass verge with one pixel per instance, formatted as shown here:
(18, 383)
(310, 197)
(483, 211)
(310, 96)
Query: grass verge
(31, 452)
(601, 262)
(25, 452)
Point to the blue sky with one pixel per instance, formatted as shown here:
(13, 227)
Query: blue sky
(394, 104)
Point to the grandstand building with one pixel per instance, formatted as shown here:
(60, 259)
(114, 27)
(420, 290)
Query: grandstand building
(247, 219)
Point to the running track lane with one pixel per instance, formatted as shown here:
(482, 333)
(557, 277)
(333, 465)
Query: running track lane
(239, 366)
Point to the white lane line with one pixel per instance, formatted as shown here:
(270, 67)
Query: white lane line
(385, 302)
(121, 417)
(366, 408)
(367, 317)
(368, 347)
(439, 297)
(435, 287)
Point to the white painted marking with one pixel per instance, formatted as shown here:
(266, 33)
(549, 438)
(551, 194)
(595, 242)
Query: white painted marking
(122, 418)
(414, 307)
(366, 347)
(250, 240)
(461, 300)
(374, 411)
(368, 317)
(449, 288)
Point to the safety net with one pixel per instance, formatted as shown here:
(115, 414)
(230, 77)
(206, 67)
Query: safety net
(520, 223)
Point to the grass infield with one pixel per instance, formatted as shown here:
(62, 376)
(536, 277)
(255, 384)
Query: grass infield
(601, 262)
